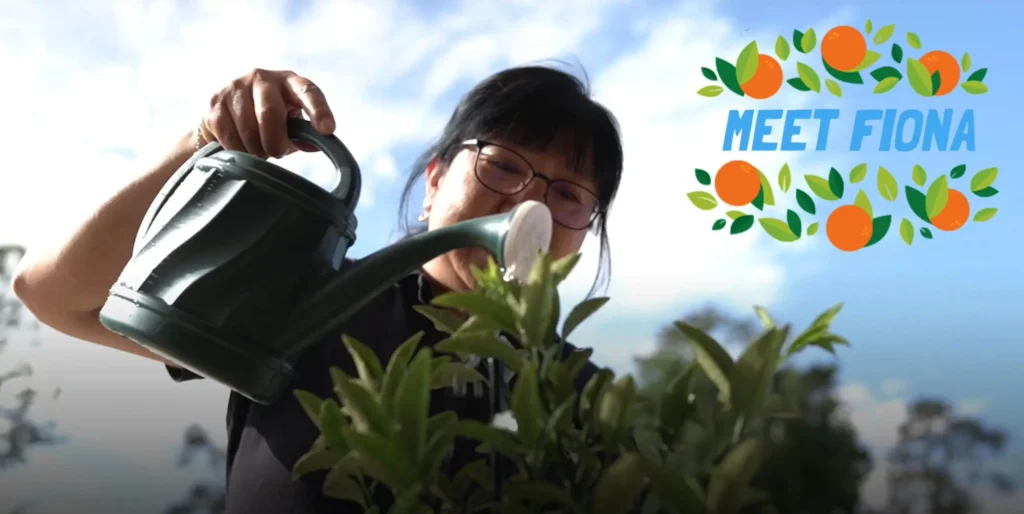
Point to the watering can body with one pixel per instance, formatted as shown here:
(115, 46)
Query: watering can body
(237, 266)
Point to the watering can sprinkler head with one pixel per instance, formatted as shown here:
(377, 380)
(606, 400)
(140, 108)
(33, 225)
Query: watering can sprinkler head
(239, 265)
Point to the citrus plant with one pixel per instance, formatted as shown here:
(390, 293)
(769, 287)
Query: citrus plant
(693, 448)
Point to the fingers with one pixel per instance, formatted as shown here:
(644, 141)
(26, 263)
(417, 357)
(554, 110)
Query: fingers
(221, 125)
(270, 114)
(305, 93)
(246, 124)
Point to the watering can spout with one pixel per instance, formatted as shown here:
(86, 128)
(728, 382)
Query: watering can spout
(515, 239)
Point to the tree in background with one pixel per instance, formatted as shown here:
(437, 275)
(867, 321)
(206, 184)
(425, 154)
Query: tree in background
(204, 497)
(939, 457)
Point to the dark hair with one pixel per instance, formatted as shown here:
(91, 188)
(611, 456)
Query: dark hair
(535, 106)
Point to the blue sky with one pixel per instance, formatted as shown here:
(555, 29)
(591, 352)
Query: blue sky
(934, 318)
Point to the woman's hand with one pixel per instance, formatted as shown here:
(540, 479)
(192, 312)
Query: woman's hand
(249, 114)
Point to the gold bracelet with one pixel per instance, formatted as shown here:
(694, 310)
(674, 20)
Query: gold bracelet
(199, 137)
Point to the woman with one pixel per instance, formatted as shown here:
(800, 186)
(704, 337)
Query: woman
(524, 133)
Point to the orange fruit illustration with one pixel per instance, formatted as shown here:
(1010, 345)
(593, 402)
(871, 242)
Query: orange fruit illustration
(954, 215)
(737, 183)
(766, 81)
(843, 48)
(946, 65)
(849, 228)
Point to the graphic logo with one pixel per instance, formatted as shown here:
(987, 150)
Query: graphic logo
(844, 56)
(852, 222)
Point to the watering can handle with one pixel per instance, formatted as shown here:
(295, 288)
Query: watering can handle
(349, 186)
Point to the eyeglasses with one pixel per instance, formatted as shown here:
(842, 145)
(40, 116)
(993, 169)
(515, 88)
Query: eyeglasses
(506, 172)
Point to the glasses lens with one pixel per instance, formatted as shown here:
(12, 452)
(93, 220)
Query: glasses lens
(571, 204)
(502, 170)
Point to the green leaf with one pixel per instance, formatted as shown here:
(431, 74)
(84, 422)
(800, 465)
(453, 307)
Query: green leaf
(863, 202)
(835, 183)
(919, 175)
(408, 501)
(925, 233)
(896, 53)
(746, 63)
(733, 474)
(396, 370)
(619, 485)
(797, 38)
(913, 41)
(793, 220)
(984, 179)
(412, 402)
(965, 62)
(711, 356)
(311, 404)
(752, 375)
(735, 214)
(582, 311)
(613, 409)
(314, 461)
(719, 224)
(382, 459)
(575, 361)
(708, 73)
(849, 77)
(805, 201)
(782, 48)
(741, 224)
(987, 192)
(676, 405)
(766, 189)
(482, 344)
(682, 494)
(479, 305)
(812, 229)
(974, 87)
(808, 41)
(361, 406)
(958, 171)
(527, 407)
(785, 178)
(539, 301)
(778, 229)
(907, 231)
(764, 317)
(870, 58)
(887, 186)
(809, 77)
(858, 173)
(703, 177)
(920, 79)
(758, 201)
(884, 34)
(985, 214)
(936, 82)
(499, 439)
(820, 187)
(540, 493)
(450, 374)
(867, 27)
(798, 84)
(340, 485)
(702, 200)
(917, 202)
(938, 196)
(886, 85)
(727, 74)
(833, 87)
(561, 268)
(977, 76)
(444, 320)
(879, 228)
(886, 72)
(367, 364)
(710, 91)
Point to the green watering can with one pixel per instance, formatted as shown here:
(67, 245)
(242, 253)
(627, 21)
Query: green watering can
(238, 265)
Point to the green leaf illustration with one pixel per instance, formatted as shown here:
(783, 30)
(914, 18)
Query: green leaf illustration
(793, 220)
(867, 27)
(887, 186)
(809, 77)
(798, 84)
(805, 201)
(919, 175)
(782, 48)
(758, 201)
(974, 87)
(886, 85)
(766, 189)
(785, 178)
(984, 179)
(987, 192)
(727, 73)
(885, 72)
(808, 41)
(879, 228)
(746, 63)
(819, 186)
(958, 171)
(719, 224)
(703, 200)
(978, 76)
(925, 233)
(778, 229)
(858, 173)
(741, 224)
(703, 177)
(884, 34)
(812, 229)
(835, 183)
(710, 91)
(798, 36)
(965, 62)
(913, 41)
(862, 201)
(870, 58)
(919, 78)
(849, 77)
(896, 53)
(907, 231)
(917, 201)
(985, 214)
(708, 73)
(833, 87)
(936, 82)
(937, 197)
(735, 214)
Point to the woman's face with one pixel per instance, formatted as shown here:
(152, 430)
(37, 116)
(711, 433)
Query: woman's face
(455, 194)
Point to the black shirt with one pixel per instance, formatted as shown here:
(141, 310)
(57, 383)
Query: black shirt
(265, 441)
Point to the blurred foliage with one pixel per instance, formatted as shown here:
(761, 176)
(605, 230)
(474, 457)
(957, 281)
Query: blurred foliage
(204, 497)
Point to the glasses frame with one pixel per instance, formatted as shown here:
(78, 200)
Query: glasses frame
(480, 144)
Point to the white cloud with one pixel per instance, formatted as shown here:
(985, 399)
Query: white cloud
(894, 386)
